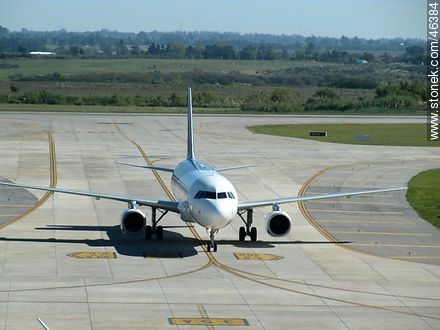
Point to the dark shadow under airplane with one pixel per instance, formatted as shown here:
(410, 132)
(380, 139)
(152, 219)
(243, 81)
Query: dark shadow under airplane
(178, 245)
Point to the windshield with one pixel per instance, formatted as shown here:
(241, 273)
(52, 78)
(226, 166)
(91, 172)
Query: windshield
(212, 195)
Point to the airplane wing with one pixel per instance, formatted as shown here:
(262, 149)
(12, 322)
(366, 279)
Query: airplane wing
(158, 168)
(253, 204)
(160, 204)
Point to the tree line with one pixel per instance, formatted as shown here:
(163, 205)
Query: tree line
(211, 45)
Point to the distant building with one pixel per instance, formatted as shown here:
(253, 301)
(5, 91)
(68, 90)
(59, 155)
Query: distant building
(362, 61)
(42, 53)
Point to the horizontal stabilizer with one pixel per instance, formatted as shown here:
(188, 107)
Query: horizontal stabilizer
(157, 168)
(223, 169)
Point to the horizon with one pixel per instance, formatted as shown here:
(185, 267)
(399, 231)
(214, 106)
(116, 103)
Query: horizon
(375, 19)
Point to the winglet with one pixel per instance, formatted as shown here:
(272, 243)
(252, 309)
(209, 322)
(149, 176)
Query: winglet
(190, 141)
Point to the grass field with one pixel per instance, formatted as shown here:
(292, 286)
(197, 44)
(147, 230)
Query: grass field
(29, 67)
(4, 107)
(424, 195)
(36, 66)
(109, 109)
(229, 83)
(370, 134)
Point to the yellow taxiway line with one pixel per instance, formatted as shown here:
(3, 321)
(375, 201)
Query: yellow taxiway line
(53, 183)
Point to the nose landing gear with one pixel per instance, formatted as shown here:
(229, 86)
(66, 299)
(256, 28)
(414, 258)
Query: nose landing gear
(212, 245)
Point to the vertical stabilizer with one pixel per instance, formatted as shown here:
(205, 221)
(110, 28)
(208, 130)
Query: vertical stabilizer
(190, 140)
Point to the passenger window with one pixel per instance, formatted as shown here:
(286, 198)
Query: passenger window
(221, 195)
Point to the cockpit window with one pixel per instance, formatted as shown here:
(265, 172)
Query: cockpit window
(212, 195)
(221, 195)
(206, 194)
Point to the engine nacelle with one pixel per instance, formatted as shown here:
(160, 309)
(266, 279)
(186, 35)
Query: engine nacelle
(278, 224)
(132, 221)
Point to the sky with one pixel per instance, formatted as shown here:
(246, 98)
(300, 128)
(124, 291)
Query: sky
(333, 18)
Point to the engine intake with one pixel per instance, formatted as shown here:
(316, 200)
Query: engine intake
(132, 221)
(278, 224)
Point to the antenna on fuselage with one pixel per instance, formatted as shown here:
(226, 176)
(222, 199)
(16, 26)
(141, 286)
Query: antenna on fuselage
(190, 141)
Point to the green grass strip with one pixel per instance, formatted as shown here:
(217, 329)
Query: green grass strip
(367, 134)
(424, 195)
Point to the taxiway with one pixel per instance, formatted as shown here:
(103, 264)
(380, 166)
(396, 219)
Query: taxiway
(64, 259)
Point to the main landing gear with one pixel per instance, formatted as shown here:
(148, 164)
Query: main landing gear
(154, 229)
(211, 246)
(248, 230)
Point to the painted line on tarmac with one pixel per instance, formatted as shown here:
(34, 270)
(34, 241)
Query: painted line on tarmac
(397, 245)
(356, 187)
(414, 257)
(93, 255)
(256, 256)
(381, 233)
(353, 172)
(360, 196)
(363, 180)
(52, 184)
(396, 222)
(9, 215)
(304, 211)
(355, 212)
(336, 201)
(208, 321)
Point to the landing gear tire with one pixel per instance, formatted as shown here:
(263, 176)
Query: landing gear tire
(253, 234)
(212, 247)
(148, 232)
(242, 234)
(159, 233)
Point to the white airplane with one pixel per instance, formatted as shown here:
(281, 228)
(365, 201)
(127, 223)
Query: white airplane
(203, 196)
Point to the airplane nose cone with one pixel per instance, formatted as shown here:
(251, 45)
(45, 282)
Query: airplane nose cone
(216, 215)
(225, 212)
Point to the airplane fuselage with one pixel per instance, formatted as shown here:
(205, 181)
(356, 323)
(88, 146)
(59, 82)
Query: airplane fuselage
(205, 196)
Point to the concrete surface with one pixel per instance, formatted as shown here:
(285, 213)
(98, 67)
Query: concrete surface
(317, 284)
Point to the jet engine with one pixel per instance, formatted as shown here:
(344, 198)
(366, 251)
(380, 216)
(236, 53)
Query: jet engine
(132, 221)
(278, 224)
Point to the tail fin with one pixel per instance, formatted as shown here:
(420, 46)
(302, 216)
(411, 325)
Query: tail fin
(190, 140)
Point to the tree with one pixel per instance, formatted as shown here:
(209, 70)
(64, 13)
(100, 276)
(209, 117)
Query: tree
(3, 31)
(121, 49)
(194, 52)
(135, 50)
(248, 53)
(154, 49)
(176, 50)
(76, 51)
(414, 54)
(310, 51)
